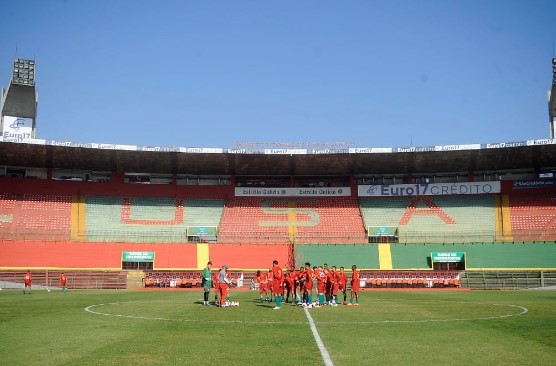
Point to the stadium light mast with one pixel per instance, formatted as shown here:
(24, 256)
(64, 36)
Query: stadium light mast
(19, 103)
(552, 101)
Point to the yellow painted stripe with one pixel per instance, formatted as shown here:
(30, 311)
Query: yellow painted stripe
(78, 223)
(503, 218)
(292, 217)
(384, 256)
(203, 255)
(506, 217)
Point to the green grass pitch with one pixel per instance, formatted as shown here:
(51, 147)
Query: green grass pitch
(173, 328)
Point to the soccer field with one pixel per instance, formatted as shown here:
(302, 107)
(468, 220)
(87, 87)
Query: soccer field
(173, 327)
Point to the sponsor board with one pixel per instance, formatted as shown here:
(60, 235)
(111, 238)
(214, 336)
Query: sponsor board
(416, 149)
(293, 192)
(156, 148)
(285, 151)
(370, 150)
(521, 184)
(201, 150)
(541, 142)
(329, 151)
(499, 145)
(433, 189)
(24, 141)
(458, 147)
(244, 151)
(17, 129)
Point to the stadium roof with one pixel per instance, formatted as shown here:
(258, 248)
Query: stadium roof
(537, 154)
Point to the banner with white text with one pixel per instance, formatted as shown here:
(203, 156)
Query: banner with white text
(293, 192)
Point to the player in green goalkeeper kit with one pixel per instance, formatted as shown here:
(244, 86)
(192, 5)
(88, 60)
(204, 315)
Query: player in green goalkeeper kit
(206, 276)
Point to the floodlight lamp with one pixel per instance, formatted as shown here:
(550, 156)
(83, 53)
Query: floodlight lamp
(24, 72)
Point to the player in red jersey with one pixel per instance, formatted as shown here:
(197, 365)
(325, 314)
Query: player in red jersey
(277, 278)
(289, 287)
(342, 283)
(260, 278)
(354, 285)
(335, 275)
(27, 279)
(270, 279)
(328, 289)
(216, 284)
(309, 277)
(330, 279)
(320, 275)
(265, 283)
(63, 281)
(225, 282)
(295, 279)
(301, 285)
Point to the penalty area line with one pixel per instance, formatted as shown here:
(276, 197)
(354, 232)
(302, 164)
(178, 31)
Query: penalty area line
(323, 351)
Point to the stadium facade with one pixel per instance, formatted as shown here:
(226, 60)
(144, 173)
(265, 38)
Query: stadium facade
(93, 206)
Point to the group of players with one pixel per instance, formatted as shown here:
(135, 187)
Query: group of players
(28, 280)
(221, 282)
(299, 284)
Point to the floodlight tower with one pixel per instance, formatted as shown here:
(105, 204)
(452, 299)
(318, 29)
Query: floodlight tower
(552, 100)
(19, 103)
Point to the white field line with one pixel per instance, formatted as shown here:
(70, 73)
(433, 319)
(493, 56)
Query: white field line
(93, 309)
(323, 351)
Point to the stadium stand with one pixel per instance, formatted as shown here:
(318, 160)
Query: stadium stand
(34, 216)
(439, 219)
(148, 219)
(533, 217)
(311, 220)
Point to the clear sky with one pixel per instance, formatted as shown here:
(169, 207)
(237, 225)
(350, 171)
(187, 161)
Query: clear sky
(215, 73)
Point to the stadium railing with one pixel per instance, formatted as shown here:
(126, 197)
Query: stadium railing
(508, 280)
(48, 279)
(409, 279)
(301, 238)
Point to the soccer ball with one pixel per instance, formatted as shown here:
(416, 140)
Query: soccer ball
(48, 290)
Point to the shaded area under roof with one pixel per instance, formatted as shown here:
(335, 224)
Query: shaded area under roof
(62, 157)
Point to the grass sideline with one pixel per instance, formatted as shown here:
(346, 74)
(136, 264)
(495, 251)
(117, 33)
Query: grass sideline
(172, 327)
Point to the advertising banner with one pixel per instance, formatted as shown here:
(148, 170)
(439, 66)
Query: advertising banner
(16, 129)
(285, 151)
(431, 189)
(293, 192)
(527, 184)
(370, 150)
